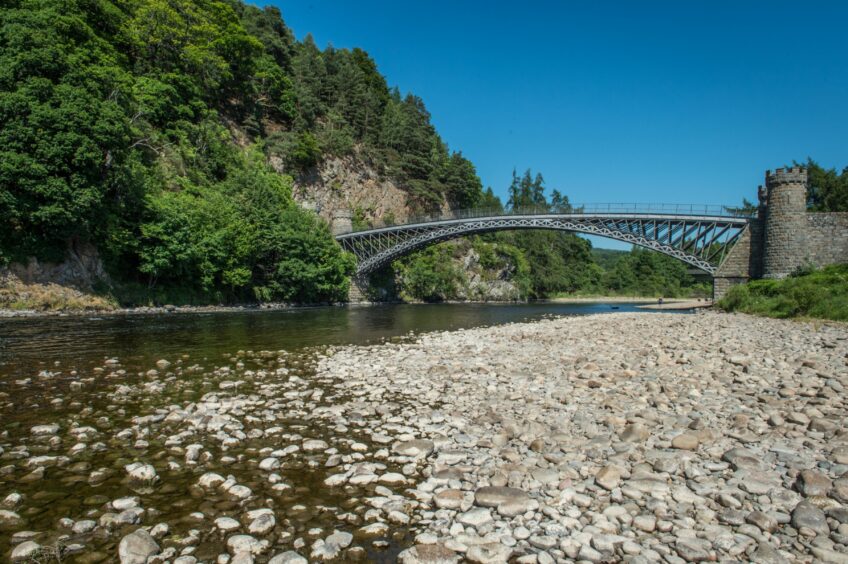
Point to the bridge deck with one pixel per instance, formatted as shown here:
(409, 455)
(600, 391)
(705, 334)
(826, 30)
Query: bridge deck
(698, 235)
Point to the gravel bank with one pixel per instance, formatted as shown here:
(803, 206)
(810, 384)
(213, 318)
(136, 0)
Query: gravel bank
(619, 437)
(616, 437)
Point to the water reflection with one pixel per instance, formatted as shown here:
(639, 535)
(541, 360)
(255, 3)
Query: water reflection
(26, 344)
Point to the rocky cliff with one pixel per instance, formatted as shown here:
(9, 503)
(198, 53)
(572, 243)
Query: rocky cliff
(484, 282)
(352, 184)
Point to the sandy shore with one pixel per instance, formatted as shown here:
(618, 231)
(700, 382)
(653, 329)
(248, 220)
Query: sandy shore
(674, 305)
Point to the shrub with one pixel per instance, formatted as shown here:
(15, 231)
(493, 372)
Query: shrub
(808, 293)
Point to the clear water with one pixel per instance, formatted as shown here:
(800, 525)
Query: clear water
(75, 341)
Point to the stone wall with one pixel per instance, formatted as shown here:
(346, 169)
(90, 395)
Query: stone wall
(741, 262)
(826, 239)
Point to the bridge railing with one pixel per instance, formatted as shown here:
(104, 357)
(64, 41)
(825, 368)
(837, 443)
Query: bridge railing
(613, 208)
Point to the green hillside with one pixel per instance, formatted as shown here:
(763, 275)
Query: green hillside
(145, 127)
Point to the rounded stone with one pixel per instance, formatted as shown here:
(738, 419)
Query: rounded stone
(685, 441)
(137, 547)
(448, 499)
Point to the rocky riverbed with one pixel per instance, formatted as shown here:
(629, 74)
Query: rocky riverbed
(618, 437)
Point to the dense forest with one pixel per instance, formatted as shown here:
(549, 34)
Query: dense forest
(145, 129)
(145, 126)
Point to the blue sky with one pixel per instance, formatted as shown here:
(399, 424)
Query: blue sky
(673, 101)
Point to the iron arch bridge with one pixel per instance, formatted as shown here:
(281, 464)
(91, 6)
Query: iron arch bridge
(700, 236)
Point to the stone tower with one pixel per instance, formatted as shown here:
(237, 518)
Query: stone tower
(785, 221)
(342, 222)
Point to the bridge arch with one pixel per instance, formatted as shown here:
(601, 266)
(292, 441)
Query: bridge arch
(701, 241)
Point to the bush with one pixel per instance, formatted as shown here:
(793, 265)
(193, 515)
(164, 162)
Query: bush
(240, 239)
(430, 275)
(816, 293)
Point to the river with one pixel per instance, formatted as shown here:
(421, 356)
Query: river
(99, 374)
(29, 344)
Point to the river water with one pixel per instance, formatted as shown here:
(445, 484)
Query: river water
(98, 374)
(28, 344)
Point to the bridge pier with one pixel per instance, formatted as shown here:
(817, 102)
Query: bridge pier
(743, 262)
(357, 293)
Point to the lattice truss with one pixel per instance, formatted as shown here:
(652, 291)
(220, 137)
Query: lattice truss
(703, 242)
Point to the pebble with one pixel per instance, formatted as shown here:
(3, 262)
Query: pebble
(137, 547)
(26, 550)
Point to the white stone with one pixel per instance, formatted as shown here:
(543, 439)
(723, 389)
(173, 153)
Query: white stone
(140, 472)
(25, 551)
(227, 524)
(136, 547)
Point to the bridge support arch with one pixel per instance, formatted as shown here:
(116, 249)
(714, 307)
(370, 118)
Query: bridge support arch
(733, 249)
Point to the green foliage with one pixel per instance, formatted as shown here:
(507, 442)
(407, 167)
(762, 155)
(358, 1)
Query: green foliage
(241, 239)
(125, 122)
(430, 275)
(818, 293)
(64, 134)
(559, 262)
(436, 273)
(306, 151)
(489, 201)
(828, 190)
(747, 209)
(647, 273)
(526, 191)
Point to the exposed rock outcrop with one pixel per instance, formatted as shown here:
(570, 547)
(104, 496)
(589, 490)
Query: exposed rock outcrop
(351, 184)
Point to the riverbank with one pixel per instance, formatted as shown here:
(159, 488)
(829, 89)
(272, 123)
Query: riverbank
(678, 305)
(159, 310)
(672, 304)
(604, 437)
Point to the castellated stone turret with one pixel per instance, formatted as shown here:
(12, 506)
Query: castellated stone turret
(342, 222)
(785, 221)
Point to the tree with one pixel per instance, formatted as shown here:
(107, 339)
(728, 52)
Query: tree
(560, 203)
(310, 75)
(462, 184)
(527, 191)
(828, 190)
(489, 201)
(64, 134)
(746, 209)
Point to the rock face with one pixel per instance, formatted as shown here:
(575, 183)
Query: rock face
(346, 184)
(481, 283)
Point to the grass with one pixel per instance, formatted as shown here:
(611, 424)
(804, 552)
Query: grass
(820, 294)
